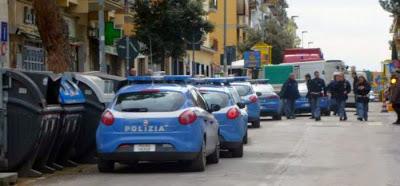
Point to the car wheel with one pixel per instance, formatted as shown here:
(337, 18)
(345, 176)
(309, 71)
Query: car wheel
(105, 165)
(245, 138)
(256, 124)
(238, 152)
(214, 157)
(199, 164)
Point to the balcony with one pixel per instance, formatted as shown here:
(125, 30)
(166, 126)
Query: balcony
(108, 5)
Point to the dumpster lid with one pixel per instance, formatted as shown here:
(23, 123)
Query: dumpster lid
(104, 89)
(105, 76)
(70, 92)
(28, 82)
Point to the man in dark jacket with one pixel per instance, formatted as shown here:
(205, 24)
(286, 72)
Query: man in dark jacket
(394, 95)
(290, 93)
(340, 90)
(316, 91)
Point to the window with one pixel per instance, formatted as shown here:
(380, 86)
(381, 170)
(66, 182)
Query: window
(243, 90)
(213, 4)
(149, 102)
(264, 89)
(215, 98)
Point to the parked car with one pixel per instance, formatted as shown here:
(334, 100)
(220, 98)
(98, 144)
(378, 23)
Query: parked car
(231, 118)
(270, 102)
(250, 98)
(158, 122)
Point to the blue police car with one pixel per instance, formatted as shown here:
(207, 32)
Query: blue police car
(250, 98)
(270, 102)
(231, 118)
(158, 122)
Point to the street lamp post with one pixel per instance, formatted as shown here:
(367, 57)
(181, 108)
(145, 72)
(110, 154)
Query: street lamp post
(225, 35)
(310, 43)
(102, 54)
(302, 37)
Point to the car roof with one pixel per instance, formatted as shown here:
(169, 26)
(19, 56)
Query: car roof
(164, 87)
(215, 88)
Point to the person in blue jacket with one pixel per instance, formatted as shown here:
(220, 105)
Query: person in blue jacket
(361, 91)
(290, 93)
(340, 90)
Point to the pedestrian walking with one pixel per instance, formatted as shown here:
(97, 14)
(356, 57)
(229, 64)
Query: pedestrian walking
(361, 91)
(290, 93)
(307, 77)
(316, 91)
(339, 90)
(394, 95)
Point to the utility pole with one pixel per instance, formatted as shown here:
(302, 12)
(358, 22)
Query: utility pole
(102, 44)
(225, 35)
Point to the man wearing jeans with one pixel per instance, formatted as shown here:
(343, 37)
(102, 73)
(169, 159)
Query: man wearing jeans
(289, 93)
(340, 90)
(317, 90)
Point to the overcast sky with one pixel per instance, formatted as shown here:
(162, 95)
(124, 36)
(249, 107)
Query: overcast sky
(356, 31)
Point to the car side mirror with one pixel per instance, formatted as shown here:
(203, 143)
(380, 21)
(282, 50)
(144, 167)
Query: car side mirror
(259, 94)
(215, 108)
(241, 105)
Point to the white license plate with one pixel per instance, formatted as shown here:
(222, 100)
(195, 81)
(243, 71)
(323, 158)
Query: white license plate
(144, 148)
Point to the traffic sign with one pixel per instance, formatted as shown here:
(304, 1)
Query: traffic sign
(128, 48)
(4, 32)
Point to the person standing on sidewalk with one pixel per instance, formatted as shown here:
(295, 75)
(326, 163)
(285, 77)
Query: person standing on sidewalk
(361, 91)
(316, 91)
(340, 90)
(394, 95)
(290, 93)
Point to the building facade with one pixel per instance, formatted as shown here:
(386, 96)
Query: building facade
(4, 38)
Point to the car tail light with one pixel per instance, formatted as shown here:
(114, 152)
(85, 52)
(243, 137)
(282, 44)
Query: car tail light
(187, 117)
(253, 99)
(233, 113)
(107, 118)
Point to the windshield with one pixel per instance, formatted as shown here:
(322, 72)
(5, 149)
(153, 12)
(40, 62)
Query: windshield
(149, 102)
(234, 94)
(264, 89)
(243, 90)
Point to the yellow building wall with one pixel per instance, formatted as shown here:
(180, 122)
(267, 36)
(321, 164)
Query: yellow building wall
(217, 18)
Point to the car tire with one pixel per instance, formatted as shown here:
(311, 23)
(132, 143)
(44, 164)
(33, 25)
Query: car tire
(246, 138)
(214, 157)
(199, 164)
(277, 117)
(256, 124)
(238, 152)
(105, 165)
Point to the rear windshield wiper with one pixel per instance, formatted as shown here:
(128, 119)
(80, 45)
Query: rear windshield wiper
(135, 110)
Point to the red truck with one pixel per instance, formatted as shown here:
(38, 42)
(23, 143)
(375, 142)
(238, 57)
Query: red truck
(296, 55)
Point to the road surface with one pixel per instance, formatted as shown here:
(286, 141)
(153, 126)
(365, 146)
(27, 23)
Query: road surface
(296, 152)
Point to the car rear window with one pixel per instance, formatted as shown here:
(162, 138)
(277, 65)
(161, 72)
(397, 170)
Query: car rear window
(243, 90)
(264, 89)
(149, 102)
(215, 98)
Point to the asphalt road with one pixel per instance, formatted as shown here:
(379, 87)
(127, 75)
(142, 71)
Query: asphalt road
(296, 152)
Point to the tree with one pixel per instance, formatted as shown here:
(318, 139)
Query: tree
(392, 6)
(54, 35)
(275, 30)
(273, 33)
(168, 25)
